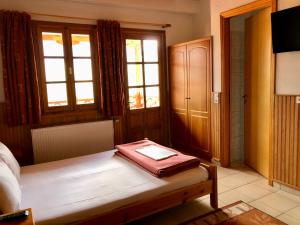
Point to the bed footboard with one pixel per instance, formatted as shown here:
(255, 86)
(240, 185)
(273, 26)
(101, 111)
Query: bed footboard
(161, 202)
(212, 168)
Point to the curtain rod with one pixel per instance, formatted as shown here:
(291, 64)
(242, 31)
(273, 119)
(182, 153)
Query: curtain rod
(162, 25)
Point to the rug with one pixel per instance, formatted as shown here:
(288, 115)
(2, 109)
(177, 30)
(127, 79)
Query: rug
(238, 213)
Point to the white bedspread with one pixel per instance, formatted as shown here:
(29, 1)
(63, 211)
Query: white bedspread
(70, 190)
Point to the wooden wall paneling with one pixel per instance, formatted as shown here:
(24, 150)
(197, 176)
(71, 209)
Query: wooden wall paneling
(297, 142)
(17, 139)
(215, 131)
(118, 131)
(286, 141)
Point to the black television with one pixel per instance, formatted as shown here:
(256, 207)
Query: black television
(286, 30)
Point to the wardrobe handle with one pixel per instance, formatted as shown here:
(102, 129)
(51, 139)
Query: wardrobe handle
(188, 98)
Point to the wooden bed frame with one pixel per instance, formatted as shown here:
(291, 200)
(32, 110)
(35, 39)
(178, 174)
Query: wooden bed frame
(161, 202)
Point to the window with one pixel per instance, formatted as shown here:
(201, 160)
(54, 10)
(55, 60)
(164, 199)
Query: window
(67, 66)
(143, 76)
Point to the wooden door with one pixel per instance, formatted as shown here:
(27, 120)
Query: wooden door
(178, 94)
(199, 89)
(258, 91)
(146, 85)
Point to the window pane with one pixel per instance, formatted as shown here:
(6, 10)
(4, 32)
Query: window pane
(133, 50)
(57, 94)
(52, 44)
(136, 98)
(81, 45)
(150, 51)
(82, 69)
(55, 69)
(151, 74)
(135, 75)
(152, 97)
(84, 93)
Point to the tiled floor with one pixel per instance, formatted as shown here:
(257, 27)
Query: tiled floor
(237, 183)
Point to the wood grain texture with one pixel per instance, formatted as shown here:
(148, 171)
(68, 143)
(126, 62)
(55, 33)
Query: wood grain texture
(258, 56)
(26, 221)
(215, 131)
(286, 141)
(190, 95)
(152, 123)
(17, 139)
(199, 91)
(252, 6)
(178, 98)
(225, 70)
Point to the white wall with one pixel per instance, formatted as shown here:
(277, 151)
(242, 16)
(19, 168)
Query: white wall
(288, 74)
(201, 20)
(288, 66)
(181, 30)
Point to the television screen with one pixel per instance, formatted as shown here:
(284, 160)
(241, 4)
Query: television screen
(286, 30)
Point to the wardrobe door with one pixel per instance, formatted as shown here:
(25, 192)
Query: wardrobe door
(199, 90)
(178, 94)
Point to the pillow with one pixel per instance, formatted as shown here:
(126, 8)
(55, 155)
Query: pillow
(10, 190)
(10, 160)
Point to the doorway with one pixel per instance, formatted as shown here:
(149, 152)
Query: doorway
(250, 95)
(241, 134)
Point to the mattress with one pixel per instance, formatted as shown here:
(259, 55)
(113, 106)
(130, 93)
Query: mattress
(70, 190)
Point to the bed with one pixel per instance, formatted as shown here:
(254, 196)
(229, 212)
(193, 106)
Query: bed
(104, 188)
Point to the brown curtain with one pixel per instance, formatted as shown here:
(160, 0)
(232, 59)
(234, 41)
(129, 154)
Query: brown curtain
(19, 70)
(111, 68)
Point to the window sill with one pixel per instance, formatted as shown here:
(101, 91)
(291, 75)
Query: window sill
(67, 118)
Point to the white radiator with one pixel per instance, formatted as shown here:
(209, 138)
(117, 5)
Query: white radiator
(61, 142)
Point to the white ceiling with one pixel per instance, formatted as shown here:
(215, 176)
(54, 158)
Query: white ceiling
(180, 6)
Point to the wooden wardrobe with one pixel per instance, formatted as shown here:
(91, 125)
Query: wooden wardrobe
(190, 92)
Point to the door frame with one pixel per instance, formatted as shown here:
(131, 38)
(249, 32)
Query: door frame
(225, 76)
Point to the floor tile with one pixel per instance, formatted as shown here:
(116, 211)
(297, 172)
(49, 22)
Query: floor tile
(237, 180)
(253, 191)
(263, 183)
(191, 210)
(203, 206)
(223, 172)
(295, 213)
(203, 197)
(222, 188)
(290, 196)
(265, 208)
(221, 203)
(279, 202)
(232, 196)
(288, 219)
(235, 184)
(290, 190)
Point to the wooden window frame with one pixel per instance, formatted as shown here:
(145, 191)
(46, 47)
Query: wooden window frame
(67, 29)
(140, 34)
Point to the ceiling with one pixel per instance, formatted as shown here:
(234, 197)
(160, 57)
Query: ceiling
(179, 6)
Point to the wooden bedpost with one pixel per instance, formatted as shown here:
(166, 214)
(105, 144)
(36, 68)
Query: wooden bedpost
(214, 194)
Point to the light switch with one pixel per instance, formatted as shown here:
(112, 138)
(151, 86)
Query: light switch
(297, 99)
(216, 97)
